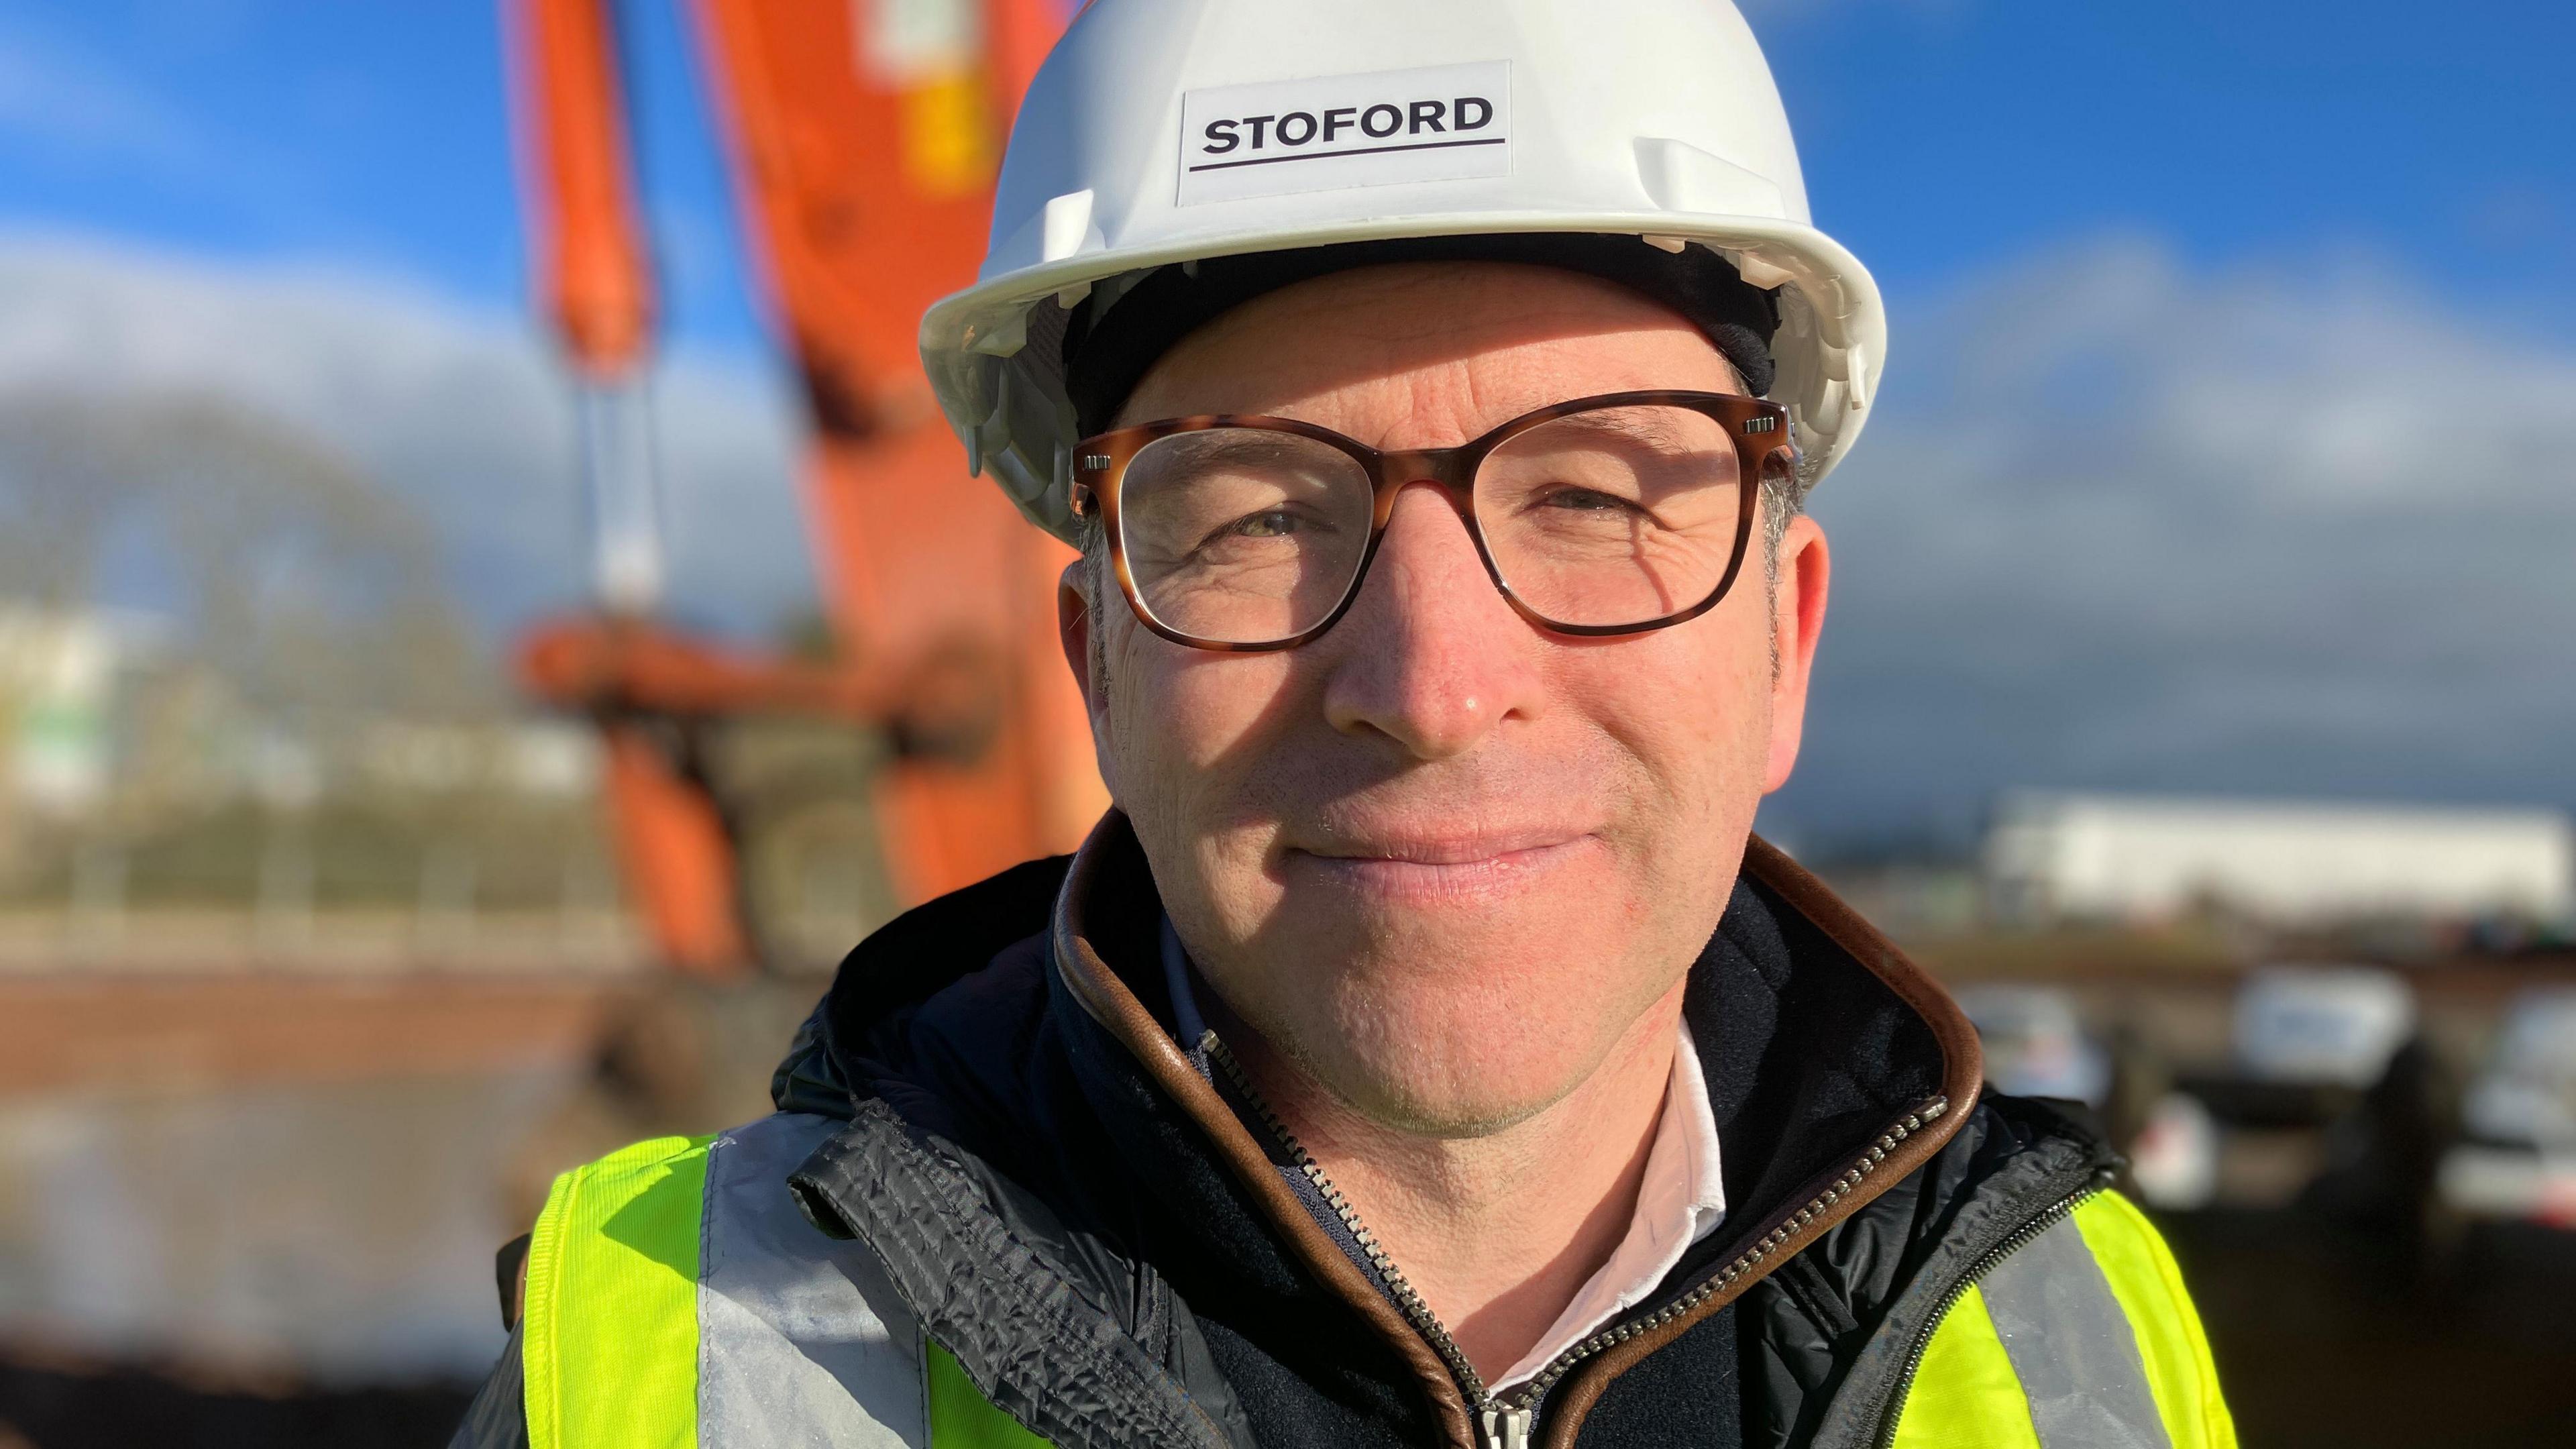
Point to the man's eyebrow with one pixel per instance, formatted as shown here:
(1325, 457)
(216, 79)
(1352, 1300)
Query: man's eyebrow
(1653, 425)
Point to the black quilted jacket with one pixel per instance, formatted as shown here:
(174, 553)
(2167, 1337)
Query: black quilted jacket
(1006, 1061)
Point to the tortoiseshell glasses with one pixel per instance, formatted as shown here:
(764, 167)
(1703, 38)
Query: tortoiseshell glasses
(1604, 515)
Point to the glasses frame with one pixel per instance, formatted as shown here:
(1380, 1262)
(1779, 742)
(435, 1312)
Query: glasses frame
(1100, 465)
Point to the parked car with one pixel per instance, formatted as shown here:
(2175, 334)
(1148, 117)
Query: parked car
(2036, 1045)
(2318, 1025)
(2517, 1154)
(2306, 1043)
(2174, 1158)
(2308, 1099)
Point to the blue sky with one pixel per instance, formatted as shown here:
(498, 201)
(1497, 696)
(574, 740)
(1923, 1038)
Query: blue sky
(2152, 498)
(1941, 137)
(1948, 134)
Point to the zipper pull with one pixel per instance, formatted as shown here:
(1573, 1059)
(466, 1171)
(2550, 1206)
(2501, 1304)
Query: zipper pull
(1508, 1428)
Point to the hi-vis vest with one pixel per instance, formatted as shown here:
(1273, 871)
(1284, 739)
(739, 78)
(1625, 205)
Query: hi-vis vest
(676, 1298)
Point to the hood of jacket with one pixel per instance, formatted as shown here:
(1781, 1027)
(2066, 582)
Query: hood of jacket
(1022, 1026)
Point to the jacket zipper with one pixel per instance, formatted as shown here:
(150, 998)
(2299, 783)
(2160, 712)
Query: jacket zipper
(2021, 1238)
(1510, 1421)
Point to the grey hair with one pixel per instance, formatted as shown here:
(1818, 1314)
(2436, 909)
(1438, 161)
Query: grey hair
(1092, 537)
(1784, 497)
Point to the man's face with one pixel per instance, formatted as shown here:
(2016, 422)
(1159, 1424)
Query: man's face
(1440, 857)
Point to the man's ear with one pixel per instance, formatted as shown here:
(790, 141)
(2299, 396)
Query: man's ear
(1073, 631)
(1073, 625)
(1797, 619)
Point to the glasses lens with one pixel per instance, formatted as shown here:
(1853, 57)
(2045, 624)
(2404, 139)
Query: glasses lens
(1243, 535)
(1615, 516)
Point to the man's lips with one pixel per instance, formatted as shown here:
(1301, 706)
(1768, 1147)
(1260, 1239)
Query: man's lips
(1442, 865)
(1442, 849)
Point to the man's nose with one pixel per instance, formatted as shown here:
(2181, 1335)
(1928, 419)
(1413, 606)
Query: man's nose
(1430, 655)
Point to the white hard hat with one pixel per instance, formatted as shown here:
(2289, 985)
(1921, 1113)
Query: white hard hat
(1176, 131)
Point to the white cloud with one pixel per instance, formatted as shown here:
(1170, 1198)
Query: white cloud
(2120, 522)
(461, 414)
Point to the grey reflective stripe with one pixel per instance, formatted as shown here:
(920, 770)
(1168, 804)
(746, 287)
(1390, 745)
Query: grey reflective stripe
(2071, 1346)
(801, 1339)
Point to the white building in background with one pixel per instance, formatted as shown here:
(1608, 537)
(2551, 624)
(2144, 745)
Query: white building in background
(2146, 857)
(59, 674)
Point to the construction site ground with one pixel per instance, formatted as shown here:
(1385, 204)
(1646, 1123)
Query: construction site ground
(257, 1206)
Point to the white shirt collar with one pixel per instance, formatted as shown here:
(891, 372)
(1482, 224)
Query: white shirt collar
(1680, 1200)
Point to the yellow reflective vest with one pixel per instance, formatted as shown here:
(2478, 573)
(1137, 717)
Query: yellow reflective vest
(676, 1298)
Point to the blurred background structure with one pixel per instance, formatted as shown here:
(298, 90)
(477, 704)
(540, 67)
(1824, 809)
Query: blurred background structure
(487, 617)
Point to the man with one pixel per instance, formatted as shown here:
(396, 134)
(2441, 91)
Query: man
(1422, 1053)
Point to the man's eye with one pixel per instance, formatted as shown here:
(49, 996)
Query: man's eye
(1586, 500)
(1273, 523)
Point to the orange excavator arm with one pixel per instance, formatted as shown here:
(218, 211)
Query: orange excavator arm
(865, 135)
(589, 260)
(588, 249)
(866, 139)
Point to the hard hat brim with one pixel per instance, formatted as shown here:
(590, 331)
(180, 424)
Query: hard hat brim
(1830, 346)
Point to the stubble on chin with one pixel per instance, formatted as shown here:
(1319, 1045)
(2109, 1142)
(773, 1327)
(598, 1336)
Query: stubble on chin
(1449, 1054)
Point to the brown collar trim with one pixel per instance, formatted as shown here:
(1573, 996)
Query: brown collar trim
(1962, 1074)
(1109, 1002)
